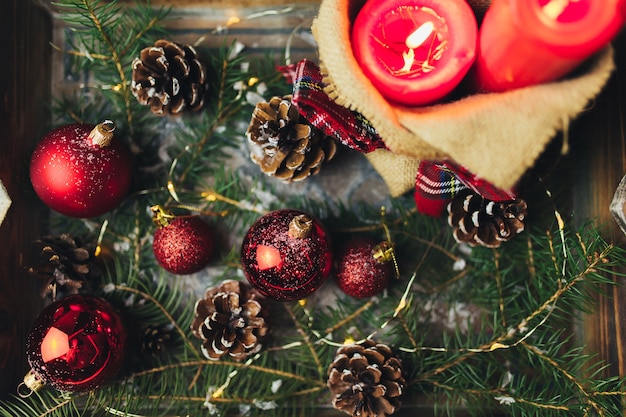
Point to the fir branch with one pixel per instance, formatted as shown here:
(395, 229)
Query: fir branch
(116, 57)
(346, 320)
(164, 311)
(209, 363)
(307, 340)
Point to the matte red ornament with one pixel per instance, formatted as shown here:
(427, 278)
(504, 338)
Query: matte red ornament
(80, 170)
(181, 245)
(286, 255)
(362, 268)
(77, 343)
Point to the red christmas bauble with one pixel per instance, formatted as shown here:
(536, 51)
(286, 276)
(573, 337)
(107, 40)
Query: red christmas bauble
(77, 343)
(360, 273)
(183, 245)
(286, 255)
(80, 170)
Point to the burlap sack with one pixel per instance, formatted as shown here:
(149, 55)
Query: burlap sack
(497, 136)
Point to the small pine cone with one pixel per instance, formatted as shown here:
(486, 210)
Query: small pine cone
(169, 78)
(66, 264)
(366, 380)
(154, 339)
(230, 320)
(285, 145)
(478, 221)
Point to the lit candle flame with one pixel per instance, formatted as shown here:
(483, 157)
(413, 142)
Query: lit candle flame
(555, 8)
(419, 36)
(413, 41)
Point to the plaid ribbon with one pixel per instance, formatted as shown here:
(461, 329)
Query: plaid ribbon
(349, 128)
(437, 183)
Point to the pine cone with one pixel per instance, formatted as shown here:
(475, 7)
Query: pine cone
(169, 78)
(154, 339)
(285, 145)
(67, 265)
(366, 380)
(478, 221)
(230, 320)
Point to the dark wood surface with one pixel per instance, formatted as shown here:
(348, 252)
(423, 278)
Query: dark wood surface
(24, 98)
(598, 164)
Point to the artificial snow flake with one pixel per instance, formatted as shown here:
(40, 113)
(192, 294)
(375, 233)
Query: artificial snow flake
(276, 385)
(459, 264)
(265, 405)
(505, 400)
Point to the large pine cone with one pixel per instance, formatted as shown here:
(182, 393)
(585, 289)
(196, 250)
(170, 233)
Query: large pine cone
(169, 78)
(366, 380)
(481, 222)
(284, 144)
(66, 264)
(230, 320)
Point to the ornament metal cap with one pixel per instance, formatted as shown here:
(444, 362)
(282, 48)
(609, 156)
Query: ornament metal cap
(160, 216)
(102, 134)
(31, 381)
(300, 226)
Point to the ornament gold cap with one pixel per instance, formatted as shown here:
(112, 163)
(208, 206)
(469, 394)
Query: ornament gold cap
(383, 252)
(31, 381)
(102, 134)
(160, 216)
(300, 227)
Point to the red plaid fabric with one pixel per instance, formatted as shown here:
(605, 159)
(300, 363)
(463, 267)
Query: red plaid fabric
(479, 185)
(349, 128)
(435, 186)
(437, 183)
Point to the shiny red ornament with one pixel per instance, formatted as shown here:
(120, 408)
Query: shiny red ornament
(77, 343)
(80, 170)
(363, 270)
(181, 245)
(286, 255)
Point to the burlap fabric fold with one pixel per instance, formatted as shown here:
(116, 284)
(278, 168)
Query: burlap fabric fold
(497, 136)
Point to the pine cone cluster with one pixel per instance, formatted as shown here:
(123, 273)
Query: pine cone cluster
(284, 144)
(230, 320)
(66, 264)
(481, 222)
(169, 78)
(366, 380)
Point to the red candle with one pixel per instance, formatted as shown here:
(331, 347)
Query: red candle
(415, 52)
(526, 42)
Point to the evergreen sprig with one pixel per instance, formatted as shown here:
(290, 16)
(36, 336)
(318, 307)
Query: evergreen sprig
(482, 330)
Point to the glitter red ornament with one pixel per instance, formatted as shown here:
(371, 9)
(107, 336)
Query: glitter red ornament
(76, 344)
(364, 268)
(80, 170)
(182, 245)
(286, 255)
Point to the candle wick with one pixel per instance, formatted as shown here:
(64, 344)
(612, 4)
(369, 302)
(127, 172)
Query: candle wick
(419, 36)
(555, 8)
(409, 58)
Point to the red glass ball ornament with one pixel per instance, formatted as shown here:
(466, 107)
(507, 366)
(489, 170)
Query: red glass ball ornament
(80, 170)
(286, 255)
(362, 269)
(182, 245)
(77, 343)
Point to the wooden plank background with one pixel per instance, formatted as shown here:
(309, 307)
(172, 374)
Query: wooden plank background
(598, 163)
(25, 94)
